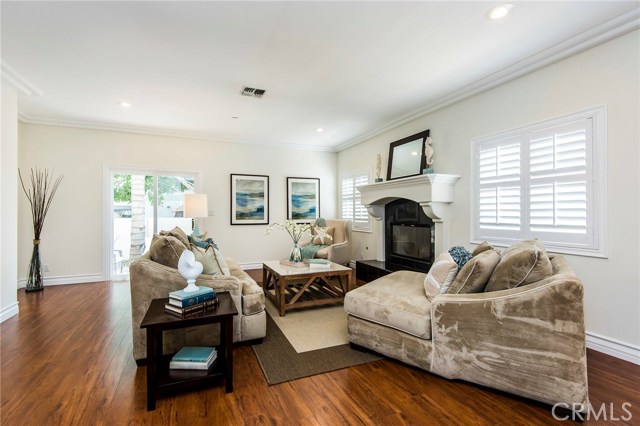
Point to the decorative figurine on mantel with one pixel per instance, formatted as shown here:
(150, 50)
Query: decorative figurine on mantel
(428, 155)
(378, 168)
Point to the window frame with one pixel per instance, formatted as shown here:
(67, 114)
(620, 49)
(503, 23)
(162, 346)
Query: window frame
(354, 175)
(596, 176)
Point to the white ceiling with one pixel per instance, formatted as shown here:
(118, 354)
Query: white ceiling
(351, 68)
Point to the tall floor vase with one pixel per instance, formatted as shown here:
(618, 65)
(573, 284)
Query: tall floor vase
(35, 281)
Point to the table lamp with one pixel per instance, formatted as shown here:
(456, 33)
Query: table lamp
(195, 205)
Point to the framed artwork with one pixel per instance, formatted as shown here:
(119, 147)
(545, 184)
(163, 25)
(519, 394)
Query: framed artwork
(303, 199)
(249, 200)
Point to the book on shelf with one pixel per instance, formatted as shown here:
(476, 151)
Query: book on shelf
(168, 307)
(181, 294)
(193, 358)
(193, 300)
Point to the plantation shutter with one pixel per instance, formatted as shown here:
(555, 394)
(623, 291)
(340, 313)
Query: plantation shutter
(347, 198)
(499, 186)
(547, 181)
(351, 204)
(560, 183)
(361, 219)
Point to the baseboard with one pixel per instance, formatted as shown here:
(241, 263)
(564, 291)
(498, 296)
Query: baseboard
(250, 266)
(70, 279)
(613, 347)
(8, 312)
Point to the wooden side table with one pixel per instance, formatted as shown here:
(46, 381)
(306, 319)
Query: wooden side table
(159, 376)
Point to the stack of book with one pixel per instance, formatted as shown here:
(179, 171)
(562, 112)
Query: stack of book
(318, 263)
(193, 358)
(183, 303)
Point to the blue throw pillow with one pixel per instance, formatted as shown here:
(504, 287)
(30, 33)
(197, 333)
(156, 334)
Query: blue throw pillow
(460, 255)
(203, 243)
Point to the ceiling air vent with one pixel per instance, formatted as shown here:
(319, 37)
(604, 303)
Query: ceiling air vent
(250, 91)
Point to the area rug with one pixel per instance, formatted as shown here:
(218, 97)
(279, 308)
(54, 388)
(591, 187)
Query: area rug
(280, 362)
(312, 328)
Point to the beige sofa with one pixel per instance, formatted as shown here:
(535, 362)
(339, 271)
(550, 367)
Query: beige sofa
(150, 280)
(528, 340)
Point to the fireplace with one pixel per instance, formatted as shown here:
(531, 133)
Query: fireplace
(411, 223)
(409, 236)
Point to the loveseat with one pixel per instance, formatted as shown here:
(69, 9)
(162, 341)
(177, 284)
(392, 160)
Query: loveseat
(528, 340)
(150, 279)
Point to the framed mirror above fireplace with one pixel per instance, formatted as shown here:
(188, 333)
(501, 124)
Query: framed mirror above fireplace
(406, 156)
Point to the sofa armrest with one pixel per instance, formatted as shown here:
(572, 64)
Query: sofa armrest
(529, 341)
(339, 253)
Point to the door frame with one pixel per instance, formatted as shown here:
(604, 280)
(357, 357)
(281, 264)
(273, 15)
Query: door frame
(108, 171)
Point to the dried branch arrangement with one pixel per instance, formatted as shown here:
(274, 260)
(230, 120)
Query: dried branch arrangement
(40, 194)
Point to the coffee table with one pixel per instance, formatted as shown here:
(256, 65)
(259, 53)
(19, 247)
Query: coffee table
(293, 288)
(159, 376)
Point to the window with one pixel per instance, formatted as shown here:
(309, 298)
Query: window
(547, 181)
(351, 206)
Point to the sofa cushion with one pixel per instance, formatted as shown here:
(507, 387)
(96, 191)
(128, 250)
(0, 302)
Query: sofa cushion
(179, 234)
(202, 242)
(441, 275)
(460, 255)
(523, 263)
(166, 250)
(323, 253)
(212, 261)
(396, 300)
(322, 236)
(483, 246)
(475, 274)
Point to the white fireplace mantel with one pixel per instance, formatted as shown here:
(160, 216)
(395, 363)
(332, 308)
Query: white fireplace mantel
(434, 193)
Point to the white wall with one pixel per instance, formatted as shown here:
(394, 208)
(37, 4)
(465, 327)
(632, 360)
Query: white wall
(605, 75)
(72, 239)
(8, 198)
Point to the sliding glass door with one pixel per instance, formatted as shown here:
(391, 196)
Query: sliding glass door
(143, 203)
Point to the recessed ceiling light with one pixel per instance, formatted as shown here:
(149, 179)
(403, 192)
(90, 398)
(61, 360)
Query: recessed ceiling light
(125, 104)
(499, 12)
(234, 117)
(319, 130)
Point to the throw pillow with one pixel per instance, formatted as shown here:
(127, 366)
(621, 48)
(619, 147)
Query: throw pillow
(179, 234)
(523, 263)
(213, 262)
(460, 255)
(440, 276)
(475, 274)
(203, 242)
(323, 235)
(483, 247)
(166, 250)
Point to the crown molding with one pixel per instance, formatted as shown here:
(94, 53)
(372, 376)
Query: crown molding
(112, 127)
(593, 37)
(20, 82)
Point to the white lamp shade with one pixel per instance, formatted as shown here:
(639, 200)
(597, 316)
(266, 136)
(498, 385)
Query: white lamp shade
(195, 205)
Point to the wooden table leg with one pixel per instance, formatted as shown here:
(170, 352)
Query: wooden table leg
(282, 284)
(151, 369)
(227, 338)
(350, 281)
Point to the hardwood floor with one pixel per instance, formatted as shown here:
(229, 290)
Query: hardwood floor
(66, 360)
